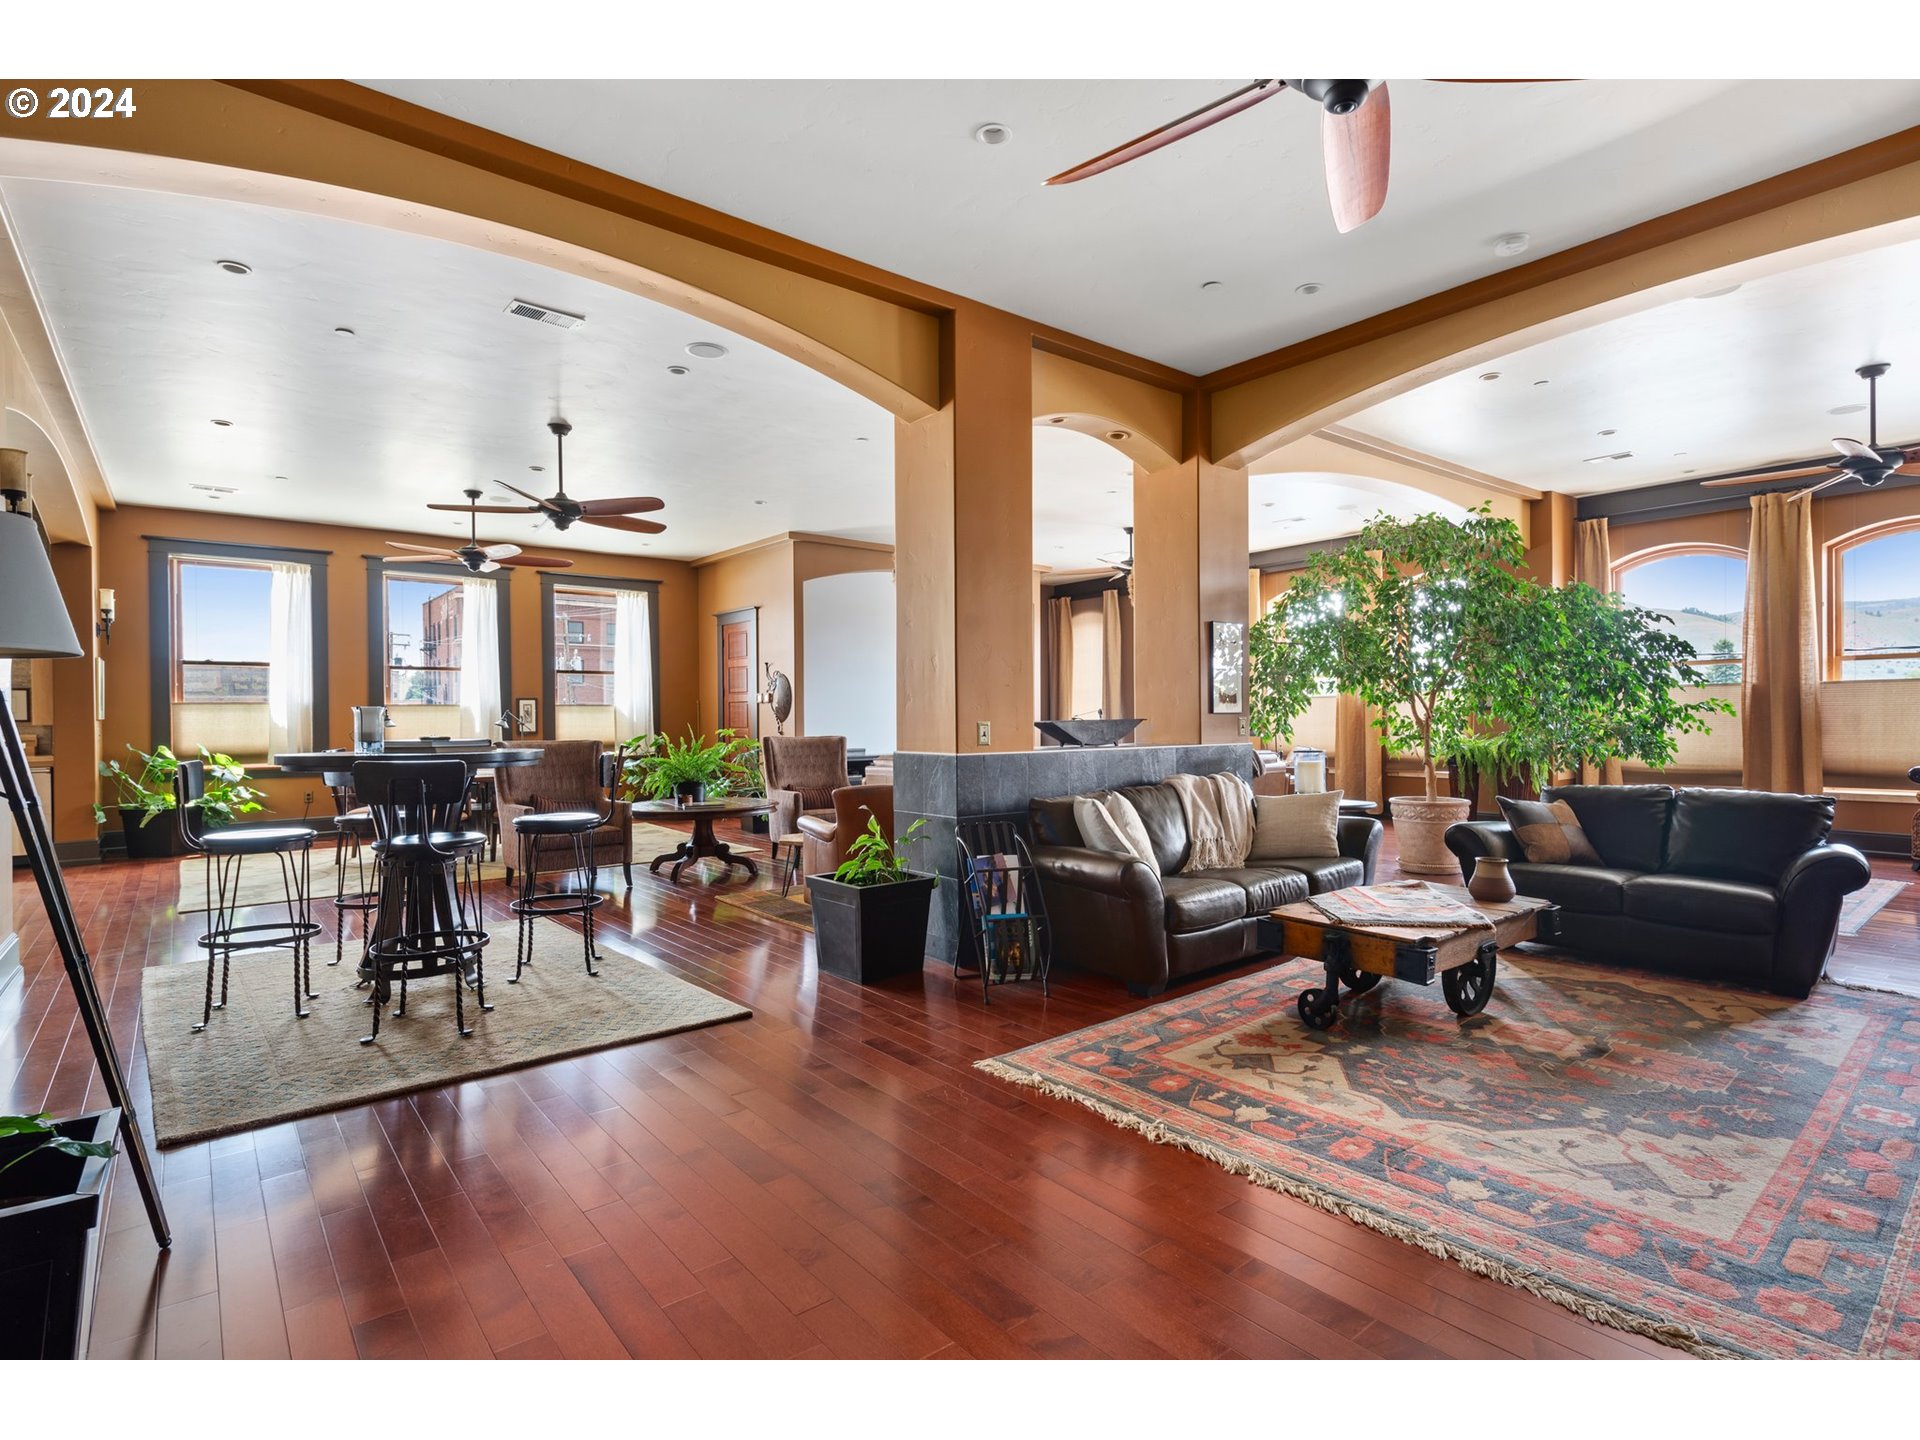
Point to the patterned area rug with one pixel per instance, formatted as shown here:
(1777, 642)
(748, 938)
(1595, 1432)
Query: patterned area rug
(1730, 1173)
(1862, 905)
(255, 1064)
(791, 909)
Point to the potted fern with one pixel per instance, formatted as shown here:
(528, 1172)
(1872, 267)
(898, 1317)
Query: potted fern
(870, 915)
(52, 1176)
(693, 770)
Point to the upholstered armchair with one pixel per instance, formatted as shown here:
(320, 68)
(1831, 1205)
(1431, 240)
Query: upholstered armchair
(566, 777)
(829, 836)
(802, 772)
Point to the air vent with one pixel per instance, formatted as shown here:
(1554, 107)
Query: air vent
(527, 310)
(1603, 459)
(215, 489)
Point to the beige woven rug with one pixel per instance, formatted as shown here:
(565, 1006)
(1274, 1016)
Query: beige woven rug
(255, 1064)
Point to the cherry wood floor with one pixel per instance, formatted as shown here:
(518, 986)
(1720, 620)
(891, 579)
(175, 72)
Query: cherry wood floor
(829, 1178)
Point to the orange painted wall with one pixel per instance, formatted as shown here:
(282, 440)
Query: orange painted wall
(762, 577)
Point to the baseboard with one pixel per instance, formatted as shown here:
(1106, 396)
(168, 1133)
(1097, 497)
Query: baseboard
(9, 962)
(1875, 842)
(77, 852)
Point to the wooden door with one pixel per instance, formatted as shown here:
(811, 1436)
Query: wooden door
(739, 707)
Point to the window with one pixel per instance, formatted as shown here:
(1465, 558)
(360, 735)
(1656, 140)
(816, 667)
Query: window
(1874, 607)
(596, 628)
(422, 657)
(583, 648)
(1702, 592)
(221, 640)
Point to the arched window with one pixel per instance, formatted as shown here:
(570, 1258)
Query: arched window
(1702, 590)
(1873, 607)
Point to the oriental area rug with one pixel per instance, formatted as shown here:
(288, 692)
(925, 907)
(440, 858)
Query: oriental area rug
(1729, 1173)
(256, 1064)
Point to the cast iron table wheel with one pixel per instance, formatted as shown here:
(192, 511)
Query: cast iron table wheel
(1470, 986)
(1359, 981)
(1317, 1009)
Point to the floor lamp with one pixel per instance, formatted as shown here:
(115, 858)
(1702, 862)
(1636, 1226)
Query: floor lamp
(34, 626)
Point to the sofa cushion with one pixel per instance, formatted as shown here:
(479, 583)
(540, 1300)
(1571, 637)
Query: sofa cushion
(1199, 902)
(1626, 823)
(1050, 820)
(1110, 824)
(1324, 874)
(1166, 822)
(1700, 903)
(1588, 889)
(1296, 825)
(1265, 885)
(1549, 832)
(1747, 835)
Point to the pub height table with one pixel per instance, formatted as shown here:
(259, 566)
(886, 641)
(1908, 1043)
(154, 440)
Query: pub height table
(703, 843)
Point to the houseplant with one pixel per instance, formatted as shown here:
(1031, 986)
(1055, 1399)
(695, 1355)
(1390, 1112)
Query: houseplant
(1415, 617)
(870, 915)
(52, 1175)
(693, 770)
(141, 797)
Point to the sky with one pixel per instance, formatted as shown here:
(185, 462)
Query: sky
(223, 613)
(1714, 583)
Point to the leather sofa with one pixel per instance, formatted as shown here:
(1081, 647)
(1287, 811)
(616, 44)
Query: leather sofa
(1733, 885)
(1150, 924)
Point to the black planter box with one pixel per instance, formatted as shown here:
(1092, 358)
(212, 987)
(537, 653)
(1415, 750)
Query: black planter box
(870, 932)
(49, 1208)
(153, 841)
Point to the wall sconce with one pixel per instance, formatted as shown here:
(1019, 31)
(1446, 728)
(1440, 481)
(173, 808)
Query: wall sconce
(105, 628)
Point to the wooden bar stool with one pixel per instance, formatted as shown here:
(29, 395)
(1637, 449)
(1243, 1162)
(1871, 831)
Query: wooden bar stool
(578, 893)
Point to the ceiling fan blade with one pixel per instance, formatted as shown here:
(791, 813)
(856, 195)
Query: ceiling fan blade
(485, 567)
(535, 562)
(1768, 477)
(1356, 148)
(623, 522)
(423, 549)
(500, 552)
(1854, 450)
(1816, 489)
(435, 556)
(542, 504)
(489, 509)
(1209, 114)
(630, 505)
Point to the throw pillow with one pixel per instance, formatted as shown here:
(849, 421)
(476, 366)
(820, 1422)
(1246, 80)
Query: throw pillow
(1103, 828)
(1296, 827)
(1549, 833)
(1126, 819)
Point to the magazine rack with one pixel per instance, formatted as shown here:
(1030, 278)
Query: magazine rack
(1011, 938)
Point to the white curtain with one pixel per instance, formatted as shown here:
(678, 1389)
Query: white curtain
(290, 660)
(480, 699)
(632, 666)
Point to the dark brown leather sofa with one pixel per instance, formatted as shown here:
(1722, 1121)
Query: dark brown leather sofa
(1149, 924)
(1735, 885)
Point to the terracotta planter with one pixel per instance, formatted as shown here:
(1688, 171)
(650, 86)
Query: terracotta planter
(1420, 828)
(1491, 881)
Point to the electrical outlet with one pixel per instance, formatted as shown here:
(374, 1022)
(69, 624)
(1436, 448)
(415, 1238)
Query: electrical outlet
(1243, 727)
(986, 733)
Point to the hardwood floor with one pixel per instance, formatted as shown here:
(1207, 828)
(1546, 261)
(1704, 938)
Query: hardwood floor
(829, 1178)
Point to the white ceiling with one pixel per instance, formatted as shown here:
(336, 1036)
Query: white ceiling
(888, 172)
(439, 388)
(1082, 499)
(1301, 507)
(1692, 387)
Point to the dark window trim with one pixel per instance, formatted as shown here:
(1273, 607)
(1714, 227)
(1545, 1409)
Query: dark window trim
(377, 573)
(162, 551)
(550, 582)
(746, 614)
(1680, 498)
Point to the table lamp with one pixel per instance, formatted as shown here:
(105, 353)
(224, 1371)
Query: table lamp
(34, 625)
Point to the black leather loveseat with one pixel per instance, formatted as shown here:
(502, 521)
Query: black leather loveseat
(1735, 885)
(1148, 924)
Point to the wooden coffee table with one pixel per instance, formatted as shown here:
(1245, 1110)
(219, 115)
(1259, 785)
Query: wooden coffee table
(1466, 961)
(703, 843)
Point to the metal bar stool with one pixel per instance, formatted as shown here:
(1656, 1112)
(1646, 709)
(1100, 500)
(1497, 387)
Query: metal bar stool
(352, 841)
(223, 850)
(429, 917)
(574, 828)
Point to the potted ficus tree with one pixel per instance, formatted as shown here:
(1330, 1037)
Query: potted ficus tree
(870, 915)
(1413, 616)
(52, 1176)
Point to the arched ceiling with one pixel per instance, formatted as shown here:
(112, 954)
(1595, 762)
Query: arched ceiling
(1301, 508)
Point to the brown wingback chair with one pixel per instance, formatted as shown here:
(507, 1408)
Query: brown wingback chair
(802, 772)
(566, 777)
(829, 836)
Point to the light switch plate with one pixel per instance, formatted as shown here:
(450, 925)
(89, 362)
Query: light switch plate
(986, 733)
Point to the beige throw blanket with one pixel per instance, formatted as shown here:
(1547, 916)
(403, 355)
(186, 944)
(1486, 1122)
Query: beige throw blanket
(1219, 811)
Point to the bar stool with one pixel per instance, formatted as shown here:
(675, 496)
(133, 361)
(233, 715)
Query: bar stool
(352, 837)
(223, 850)
(574, 828)
(428, 920)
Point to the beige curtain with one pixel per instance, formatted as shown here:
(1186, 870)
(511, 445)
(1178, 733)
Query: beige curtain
(1593, 565)
(1356, 750)
(1112, 679)
(1060, 659)
(1780, 691)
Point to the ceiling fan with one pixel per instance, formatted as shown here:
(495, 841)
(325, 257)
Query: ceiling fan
(562, 509)
(1871, 464)
(1122, 565)
(1355, 139)
(478, 558)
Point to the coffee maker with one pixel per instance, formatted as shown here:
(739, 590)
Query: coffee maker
(370, 725)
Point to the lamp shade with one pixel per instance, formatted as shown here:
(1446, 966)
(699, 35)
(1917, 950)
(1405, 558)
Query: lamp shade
(33, 618)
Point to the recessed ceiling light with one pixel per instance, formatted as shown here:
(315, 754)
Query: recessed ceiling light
(706, 350)
(1056, 419)
(1512, 244)
(1686, 472)
(1678, 453)
(862, 439)
(1113, 492)
(1119, 434)
(677, 370)
(223, 423)
(1716, 294)
(1266, 504)
(1543, 382)
(1311, 287)
(1489, 374)
(536, 468)
(1211, 285)
(759, 502)
(1349, 509)
(344, 331)
(1846, 409)
(992, 133)
(235, 267)
(1607, 432)
(279, 477)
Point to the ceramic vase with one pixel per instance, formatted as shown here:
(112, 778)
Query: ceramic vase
(1491, 881)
